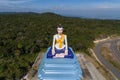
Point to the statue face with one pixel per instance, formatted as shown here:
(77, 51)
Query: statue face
(60, 30)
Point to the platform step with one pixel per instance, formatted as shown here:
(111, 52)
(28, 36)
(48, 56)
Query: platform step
(60, 71)
(60, 65)
(60, 68)
(59, 77)
(65, 61)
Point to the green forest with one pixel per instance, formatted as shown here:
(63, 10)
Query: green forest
(24, 35)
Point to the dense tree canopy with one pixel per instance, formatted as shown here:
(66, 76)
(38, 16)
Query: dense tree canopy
(23, 35)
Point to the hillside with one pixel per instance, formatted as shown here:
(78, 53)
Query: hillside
(23, 35)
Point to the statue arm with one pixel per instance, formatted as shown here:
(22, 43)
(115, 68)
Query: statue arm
(53, 42)
(53, 46)
(66, 44)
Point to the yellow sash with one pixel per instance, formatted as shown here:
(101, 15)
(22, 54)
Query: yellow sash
(60, 41)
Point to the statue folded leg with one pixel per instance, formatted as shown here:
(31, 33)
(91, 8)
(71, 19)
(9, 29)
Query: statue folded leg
(59, 52)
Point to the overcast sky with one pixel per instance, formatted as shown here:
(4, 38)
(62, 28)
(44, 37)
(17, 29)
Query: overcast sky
(109, 9)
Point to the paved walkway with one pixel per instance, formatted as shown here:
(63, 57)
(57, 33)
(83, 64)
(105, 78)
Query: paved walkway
(92, 73)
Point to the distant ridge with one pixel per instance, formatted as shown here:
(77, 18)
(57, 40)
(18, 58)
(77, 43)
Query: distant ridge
(42, 14)
(53, 14)
(45, 13)
(18, 13)
(50, 13)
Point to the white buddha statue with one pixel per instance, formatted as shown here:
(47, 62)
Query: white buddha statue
(60, 46)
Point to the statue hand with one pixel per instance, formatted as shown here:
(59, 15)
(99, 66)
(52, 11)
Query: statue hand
(66, 52)
(53, 51)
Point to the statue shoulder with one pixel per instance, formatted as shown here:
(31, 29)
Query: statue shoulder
(55, 35)
(65, 35)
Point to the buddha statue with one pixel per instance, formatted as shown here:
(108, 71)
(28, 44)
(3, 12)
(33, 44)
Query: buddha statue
(60, 45)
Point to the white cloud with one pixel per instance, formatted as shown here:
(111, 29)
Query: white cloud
(102, 5)
(14, 5)
(13, 1)
(107, 5)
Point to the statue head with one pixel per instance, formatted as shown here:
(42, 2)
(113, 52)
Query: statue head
(60, 29)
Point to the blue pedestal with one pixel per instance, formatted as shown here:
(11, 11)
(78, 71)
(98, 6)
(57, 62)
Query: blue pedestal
(67, 68)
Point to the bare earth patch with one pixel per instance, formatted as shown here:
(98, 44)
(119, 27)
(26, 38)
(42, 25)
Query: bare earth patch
(119, 48)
